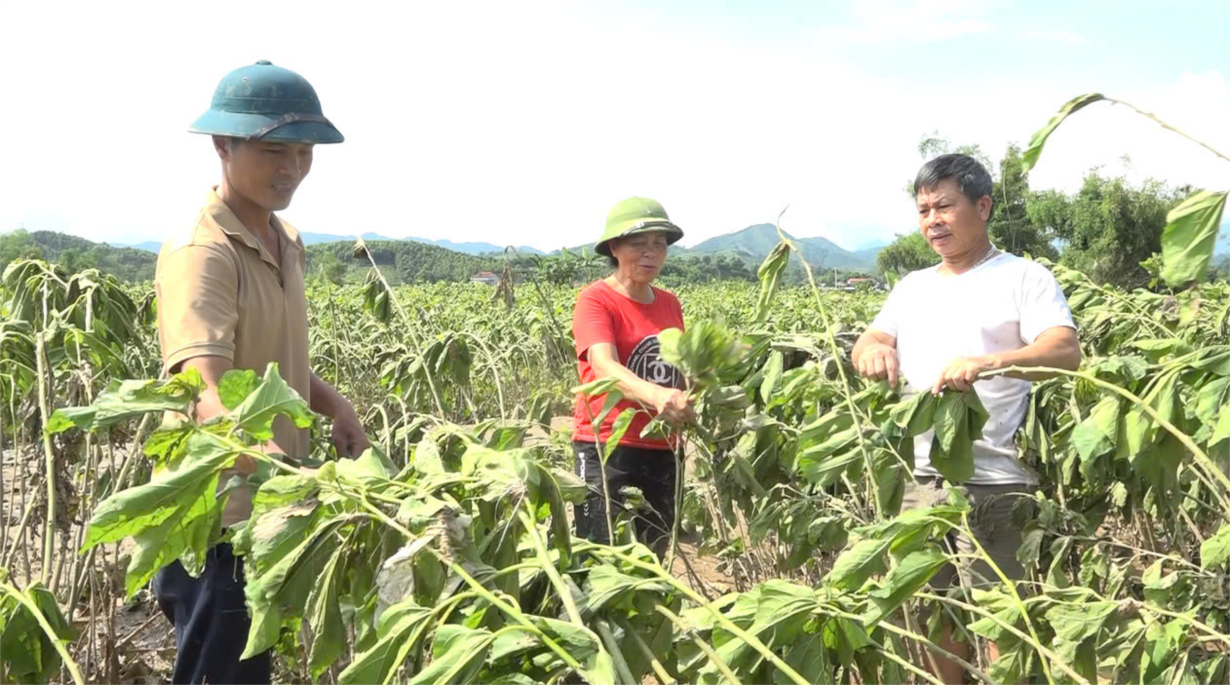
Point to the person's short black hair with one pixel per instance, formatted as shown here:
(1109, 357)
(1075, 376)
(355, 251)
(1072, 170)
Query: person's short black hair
(973, 179)
(610, 259)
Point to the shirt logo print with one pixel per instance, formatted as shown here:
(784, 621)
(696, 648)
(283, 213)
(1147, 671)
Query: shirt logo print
(647, 363)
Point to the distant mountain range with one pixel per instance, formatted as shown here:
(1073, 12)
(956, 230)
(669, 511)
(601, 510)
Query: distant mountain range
(469, 248)
(754, 243)
(751, 244)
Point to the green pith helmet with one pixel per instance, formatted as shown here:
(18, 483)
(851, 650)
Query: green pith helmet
(636, 215)
(267, 103)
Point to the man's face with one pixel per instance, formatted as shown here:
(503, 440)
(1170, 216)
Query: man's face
(265, 173)
(952, 225)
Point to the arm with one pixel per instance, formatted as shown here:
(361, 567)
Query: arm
(1056, 347)
(875, 356)
(348, 435)
(672, 403)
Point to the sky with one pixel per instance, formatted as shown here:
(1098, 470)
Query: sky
(519, 122)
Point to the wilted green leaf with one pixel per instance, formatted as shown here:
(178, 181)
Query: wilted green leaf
(131, 511)
(458, 654)
(324, 614)
(908, 577)
(1030, 156)
(279, 592)
(916, 414)
(401, 626)
(770, 275)
(127, 399)
(1216, 550)
(859, 563)
(271, 398)
(1095, 435)
(1189, 237)
(618, 428)
(772, 374)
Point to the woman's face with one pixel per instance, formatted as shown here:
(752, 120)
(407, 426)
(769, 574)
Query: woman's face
(640, 256)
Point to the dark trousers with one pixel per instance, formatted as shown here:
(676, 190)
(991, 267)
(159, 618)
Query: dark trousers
(650, 470)
(211, 621)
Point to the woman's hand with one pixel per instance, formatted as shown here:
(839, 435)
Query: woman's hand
(674, 406)
(349, 438)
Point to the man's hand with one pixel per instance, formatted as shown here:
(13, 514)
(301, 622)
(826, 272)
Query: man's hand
(673, 405)
(962, 372)
(878, 362)
(349, 437)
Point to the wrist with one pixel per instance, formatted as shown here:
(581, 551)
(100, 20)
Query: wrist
(345, 410)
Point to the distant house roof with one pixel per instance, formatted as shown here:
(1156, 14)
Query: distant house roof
(484, 274)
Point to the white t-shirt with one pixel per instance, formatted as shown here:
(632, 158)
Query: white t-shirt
(1003, 304)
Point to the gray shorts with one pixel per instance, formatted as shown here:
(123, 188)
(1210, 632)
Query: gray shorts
(992, 521)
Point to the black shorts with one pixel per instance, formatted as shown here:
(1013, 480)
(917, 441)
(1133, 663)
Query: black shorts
(650, 470)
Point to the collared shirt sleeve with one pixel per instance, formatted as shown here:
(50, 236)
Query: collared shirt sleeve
(1042, 304)
(197, 287)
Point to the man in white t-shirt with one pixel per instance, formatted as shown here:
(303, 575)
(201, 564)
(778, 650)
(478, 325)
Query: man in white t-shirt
(979, 310)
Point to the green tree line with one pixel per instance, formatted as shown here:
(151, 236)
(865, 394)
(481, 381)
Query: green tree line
(75, 254)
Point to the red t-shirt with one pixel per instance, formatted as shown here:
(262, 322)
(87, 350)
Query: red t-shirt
(603, 315)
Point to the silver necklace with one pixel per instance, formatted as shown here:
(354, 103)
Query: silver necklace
(991, 253)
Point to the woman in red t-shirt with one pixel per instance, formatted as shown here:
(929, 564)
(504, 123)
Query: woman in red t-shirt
(616, 324)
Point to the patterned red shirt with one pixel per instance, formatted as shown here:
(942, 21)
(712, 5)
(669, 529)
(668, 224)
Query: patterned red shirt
(603, 315)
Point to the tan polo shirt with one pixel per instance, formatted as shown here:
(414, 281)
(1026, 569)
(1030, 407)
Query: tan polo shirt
(221, 293)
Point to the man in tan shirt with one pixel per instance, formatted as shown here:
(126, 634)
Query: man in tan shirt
(231, 296)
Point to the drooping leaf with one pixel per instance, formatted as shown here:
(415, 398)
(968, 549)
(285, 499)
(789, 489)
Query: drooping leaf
(273, 397)
(857, 564)
(908, 577)
(618, 428)
(401, 625)
(1096, 434)
(772, 374)
(606, 586)
(324, 614)
(916, 415)
(279, 592)
(1030, 156)
(770, 275)
(128, 399)
(1189, 237)
(1216, 550)
(458, 654)
(131, 511)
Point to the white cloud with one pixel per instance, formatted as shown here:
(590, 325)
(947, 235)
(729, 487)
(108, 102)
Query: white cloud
(916, 21)
(1054, 36)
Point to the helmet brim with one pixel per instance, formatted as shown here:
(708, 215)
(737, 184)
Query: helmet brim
(244, 125)
(673, 234)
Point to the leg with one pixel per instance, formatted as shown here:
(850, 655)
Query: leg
(211, 621)
(997, 531)
(655, 476)
(923, 496)
(591, 514)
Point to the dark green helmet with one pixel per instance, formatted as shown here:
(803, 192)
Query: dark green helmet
(267, 103)
(636, 215)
